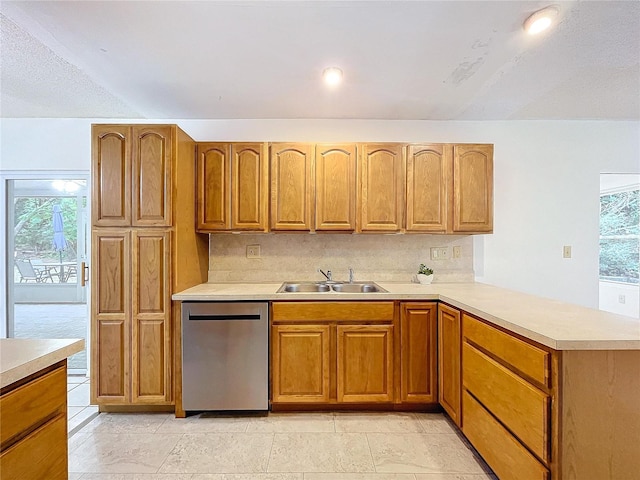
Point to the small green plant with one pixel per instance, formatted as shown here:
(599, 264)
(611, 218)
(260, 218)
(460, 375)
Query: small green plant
(424, 270)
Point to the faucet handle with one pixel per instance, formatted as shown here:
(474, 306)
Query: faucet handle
(350, 275)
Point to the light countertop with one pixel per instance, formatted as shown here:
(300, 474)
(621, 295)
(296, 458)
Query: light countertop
(21, 357)
(556, 324)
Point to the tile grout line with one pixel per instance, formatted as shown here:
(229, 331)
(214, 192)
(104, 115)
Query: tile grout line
(373, 462)
(273, 441)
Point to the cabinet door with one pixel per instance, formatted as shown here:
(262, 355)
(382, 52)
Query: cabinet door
(151, 172)
(291, 186)
(110, 316)
(300, 363)
(214, 172)
(428, 173)
(381, 188)
(249, 187)
(365, 363)
(335, 187)
(473, 188)
(151, 317)
(418, 370)
(449, 345)
(111, 175)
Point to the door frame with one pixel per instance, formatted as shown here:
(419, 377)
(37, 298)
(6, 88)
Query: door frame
(5, 261)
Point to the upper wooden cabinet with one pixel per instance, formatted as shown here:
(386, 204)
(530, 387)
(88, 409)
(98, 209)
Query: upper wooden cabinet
(381, 187)
(335, 168)
(291, 186)
(428, 178)
(472, 208)
(232, 186)
(131, 171)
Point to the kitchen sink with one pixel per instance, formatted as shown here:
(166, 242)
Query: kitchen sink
(304, 287)
(311, 287)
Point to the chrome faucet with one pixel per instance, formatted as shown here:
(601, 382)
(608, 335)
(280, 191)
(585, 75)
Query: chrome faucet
(326, 275)
(350, 275)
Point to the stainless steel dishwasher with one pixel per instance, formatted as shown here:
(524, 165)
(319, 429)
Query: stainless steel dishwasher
(225, 356)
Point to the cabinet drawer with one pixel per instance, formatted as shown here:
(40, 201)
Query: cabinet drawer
(521, 407)
(332, 311)
(504, 454)
(32, 403)
(42, 454)
(531, 361)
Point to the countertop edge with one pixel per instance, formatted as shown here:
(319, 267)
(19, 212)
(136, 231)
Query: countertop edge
(59, 350)
(433, 292)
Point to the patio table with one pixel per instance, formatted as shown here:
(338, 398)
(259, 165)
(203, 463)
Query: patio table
(57, 269)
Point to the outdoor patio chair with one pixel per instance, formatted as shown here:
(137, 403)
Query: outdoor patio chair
(29, 273)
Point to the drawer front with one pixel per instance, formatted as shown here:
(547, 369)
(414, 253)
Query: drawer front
(41, 455)
(504, 454)
(332, 312)
(521, 407)
(532, 361)
(32, 403)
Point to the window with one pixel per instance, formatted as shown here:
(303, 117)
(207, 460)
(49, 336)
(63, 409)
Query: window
(620, 235)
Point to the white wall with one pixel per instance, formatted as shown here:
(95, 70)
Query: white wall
(546, 181)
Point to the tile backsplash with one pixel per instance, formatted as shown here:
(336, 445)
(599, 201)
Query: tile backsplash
(289, 257)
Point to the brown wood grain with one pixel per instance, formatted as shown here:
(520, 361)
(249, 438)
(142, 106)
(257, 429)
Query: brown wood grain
(502, 452)
(381, 187)
(472, 188)
(292, 184)
(418, 352)
(449, 361)
(428, 177)
(214, 188)
(332, 311)
(522, 408)
(300, 365)
(335, 187)
(249, 186)
(364, 363)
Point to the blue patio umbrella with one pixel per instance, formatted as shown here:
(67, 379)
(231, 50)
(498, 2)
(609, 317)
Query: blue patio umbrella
(59, 242)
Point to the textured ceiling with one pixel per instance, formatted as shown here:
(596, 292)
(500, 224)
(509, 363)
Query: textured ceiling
(432, 60)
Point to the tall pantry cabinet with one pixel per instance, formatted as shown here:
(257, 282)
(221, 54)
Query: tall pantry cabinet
(143, 210)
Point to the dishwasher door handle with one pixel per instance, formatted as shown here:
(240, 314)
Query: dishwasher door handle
(227, 318)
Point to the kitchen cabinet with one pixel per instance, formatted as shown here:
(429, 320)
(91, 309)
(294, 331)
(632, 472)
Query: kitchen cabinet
(332, 353)
(33, 415)
(508, 396)
(292, 186)
(335, 199)
(472, 203)
(232, 187)
(428, 179)
(418, 352)
(381, 187)
(449, 358)
(135, 260)
(131, 172)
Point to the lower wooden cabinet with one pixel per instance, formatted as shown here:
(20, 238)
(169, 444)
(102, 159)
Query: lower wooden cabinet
(365, 363)
(449, 345)
(33, 436)
(301, 363)
(131, 311)
(332, 353)
(418, 353)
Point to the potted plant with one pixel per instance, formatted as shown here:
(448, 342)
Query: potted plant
(425, 274)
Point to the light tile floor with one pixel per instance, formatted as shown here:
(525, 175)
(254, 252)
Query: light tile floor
(79, 410)
(298, 446)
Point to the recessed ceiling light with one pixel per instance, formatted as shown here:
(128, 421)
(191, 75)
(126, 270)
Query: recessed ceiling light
(332, 76)
(540, 20)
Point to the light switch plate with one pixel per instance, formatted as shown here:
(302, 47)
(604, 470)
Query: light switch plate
(566, 251)
(439, 253)
(253, 251)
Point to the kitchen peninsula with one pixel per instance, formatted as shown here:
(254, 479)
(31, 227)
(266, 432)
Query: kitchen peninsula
(33, 407)
(540, 387)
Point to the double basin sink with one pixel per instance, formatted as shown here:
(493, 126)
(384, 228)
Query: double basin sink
(312, 287)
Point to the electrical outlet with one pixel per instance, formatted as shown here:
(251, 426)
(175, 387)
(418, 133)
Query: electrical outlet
(253, 251)
(566, 251)
(439, 253)
(457, 251)
(622, 299)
